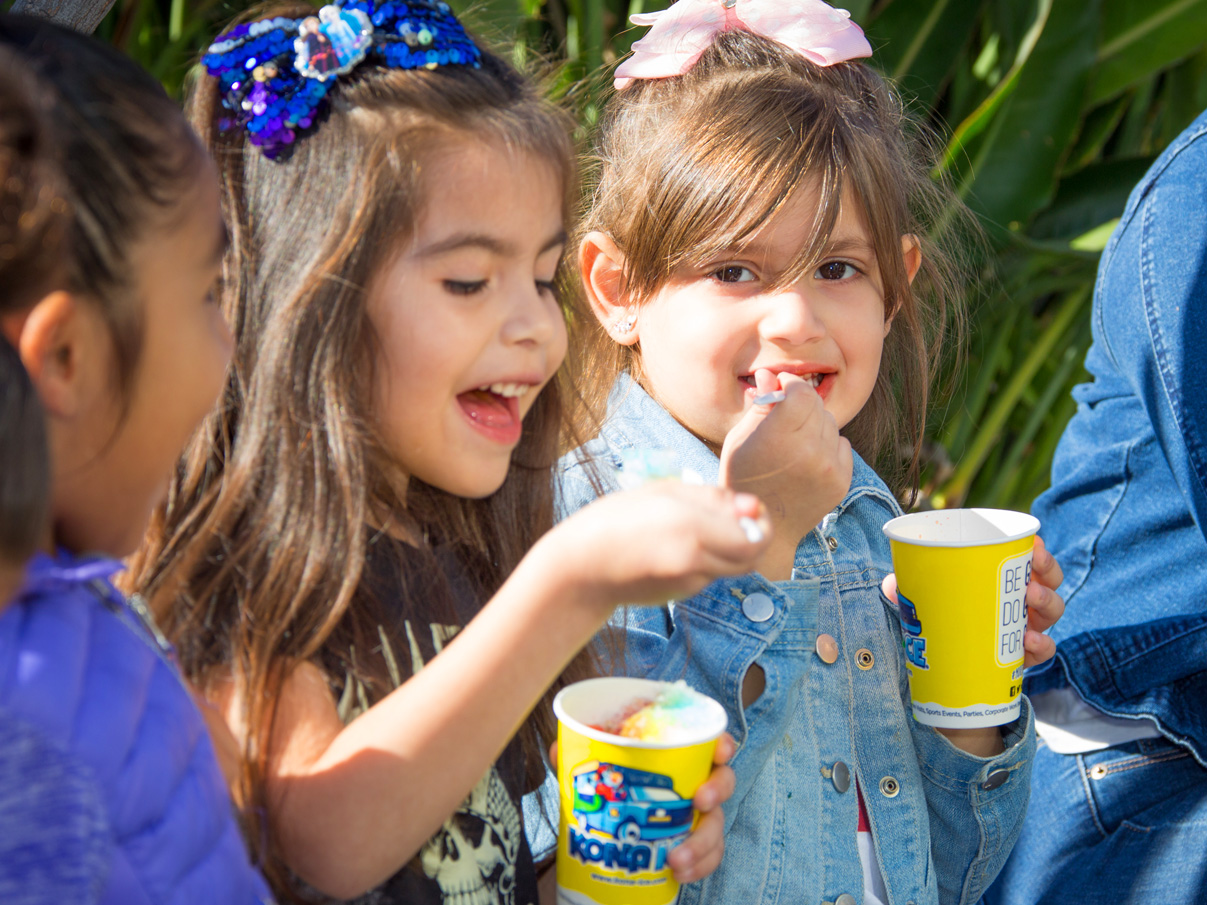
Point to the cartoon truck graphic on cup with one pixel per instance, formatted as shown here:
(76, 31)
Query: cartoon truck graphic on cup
(628, 805)
(911, 625)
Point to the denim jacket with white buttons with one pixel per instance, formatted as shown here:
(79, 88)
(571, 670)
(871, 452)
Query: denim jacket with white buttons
(835, 707)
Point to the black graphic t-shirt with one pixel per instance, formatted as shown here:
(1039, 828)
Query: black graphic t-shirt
(480, 856)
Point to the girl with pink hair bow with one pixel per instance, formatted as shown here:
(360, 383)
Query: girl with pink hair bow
(766, 288)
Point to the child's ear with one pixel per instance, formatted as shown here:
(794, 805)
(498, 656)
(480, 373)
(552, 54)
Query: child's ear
(52, 338)
(911, 256)
(601, 265)
(911, 251)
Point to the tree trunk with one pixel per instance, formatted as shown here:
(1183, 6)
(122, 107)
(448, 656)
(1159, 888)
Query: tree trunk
(82, 15)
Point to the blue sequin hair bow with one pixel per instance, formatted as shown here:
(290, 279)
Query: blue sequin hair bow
(275, 73)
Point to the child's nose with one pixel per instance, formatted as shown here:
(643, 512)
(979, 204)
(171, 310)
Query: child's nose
(791, 317)
(534, 316)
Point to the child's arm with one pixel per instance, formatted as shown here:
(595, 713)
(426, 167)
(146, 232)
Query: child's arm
(351, 805)
(791, 454)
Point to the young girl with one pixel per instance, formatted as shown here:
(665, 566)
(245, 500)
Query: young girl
(759, 279)
(349, 560)
(109, 789)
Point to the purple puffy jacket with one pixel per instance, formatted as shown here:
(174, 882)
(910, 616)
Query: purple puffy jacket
(109, 788)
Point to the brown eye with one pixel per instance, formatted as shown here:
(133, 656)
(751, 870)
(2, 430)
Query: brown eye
(835, 270)
(732, 273)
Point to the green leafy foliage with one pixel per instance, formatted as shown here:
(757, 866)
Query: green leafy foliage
(1053, 108)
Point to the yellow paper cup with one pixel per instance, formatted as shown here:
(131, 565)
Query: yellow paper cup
(962, 579)
(625, 803)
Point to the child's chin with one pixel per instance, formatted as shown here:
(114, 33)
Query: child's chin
(479, 487)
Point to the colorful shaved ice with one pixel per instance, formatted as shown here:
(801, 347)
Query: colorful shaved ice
(677, 715)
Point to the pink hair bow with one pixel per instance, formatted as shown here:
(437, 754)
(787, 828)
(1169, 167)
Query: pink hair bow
(678, 35)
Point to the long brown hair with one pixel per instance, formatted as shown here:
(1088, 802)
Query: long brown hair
(687, 167)
(257, 562)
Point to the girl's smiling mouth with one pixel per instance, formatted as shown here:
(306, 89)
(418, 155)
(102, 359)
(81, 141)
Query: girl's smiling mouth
(494, 410)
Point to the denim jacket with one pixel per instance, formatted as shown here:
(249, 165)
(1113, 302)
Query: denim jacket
(1126, 515)
(943, 821)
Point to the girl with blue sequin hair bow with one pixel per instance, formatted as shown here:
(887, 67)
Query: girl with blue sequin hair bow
(376, 488)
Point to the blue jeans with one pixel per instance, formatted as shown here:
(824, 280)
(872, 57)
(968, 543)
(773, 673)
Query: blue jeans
(1113, 827)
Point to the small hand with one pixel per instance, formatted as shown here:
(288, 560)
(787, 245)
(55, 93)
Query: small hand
(661, 541)
(792, 455)
(1044, 605)
(700, 853)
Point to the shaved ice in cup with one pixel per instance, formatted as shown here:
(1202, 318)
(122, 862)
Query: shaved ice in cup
(631, 754)
(675, 715)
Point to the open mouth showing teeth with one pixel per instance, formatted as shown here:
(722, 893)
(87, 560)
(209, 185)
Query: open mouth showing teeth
(495, 409)
(506, 390)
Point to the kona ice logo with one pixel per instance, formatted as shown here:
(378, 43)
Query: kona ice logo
(618, 812)
(915, 644)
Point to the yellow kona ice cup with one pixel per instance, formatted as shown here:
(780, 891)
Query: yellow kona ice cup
(962, 579)
(625, 803)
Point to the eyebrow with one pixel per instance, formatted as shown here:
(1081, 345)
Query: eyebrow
(487, 243)
(849, 243)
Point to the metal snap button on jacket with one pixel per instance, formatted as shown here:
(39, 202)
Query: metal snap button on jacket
(864, 659)
(889, 787)
(827, 648)
(845, 899)
(832, 542)
(995, 779)
(758, 607)
(840, 775)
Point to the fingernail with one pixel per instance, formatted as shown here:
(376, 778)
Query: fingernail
(754, 533)
(683, 857)
(770, 398)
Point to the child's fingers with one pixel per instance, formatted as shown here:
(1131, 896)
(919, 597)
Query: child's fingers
(700, 853)
(1037, 648)
(715, 790)
(1044, 567)
(765, 382)
(725, 750)
(717, 532)
(749, 514)
(747, 505)
(801, 400)
(1044, 606)
(888, 587)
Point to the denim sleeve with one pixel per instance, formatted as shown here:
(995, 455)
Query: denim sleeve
(976, 805)
(55, 843)
(1151, 310)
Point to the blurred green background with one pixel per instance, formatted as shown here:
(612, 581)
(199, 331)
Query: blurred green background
(1052, 110)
